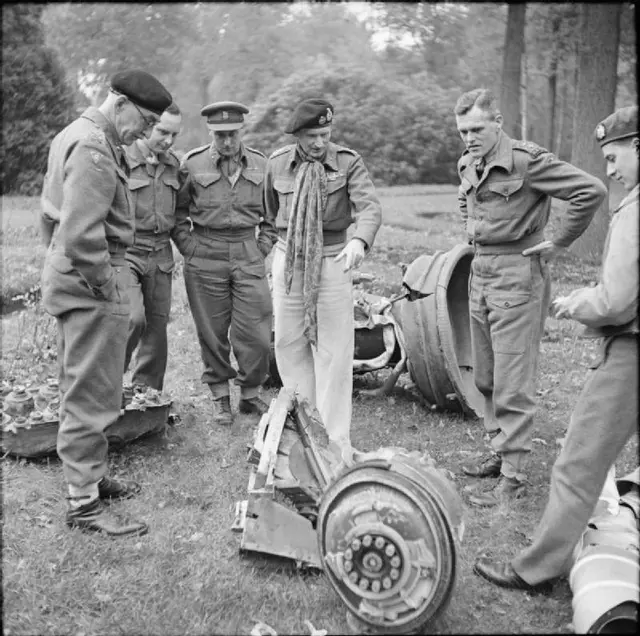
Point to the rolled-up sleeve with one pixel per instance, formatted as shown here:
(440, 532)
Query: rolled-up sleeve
(614, 301)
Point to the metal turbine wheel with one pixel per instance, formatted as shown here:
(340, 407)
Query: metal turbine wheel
(387, 537)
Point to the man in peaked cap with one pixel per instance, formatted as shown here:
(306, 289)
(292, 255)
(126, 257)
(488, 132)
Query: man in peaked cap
(224, 238)
(314, 190)
(87, 223)
(505, 201)
(606, 414)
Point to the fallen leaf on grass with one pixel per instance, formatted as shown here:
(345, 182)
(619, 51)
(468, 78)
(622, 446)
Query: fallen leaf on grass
(540, 441)
(103, 598)
(224, 464)
(196, 536)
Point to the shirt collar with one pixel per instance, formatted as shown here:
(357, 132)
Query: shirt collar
(216, 156)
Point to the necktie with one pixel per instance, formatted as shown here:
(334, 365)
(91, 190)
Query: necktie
(480, 164)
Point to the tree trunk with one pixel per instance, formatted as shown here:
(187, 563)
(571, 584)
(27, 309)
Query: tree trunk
(523, 113)
(595, 99)
(512, 69)
(553, 83)
(556, 146)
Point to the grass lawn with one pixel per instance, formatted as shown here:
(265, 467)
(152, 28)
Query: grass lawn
(186, 576)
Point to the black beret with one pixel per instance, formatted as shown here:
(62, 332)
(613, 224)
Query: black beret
(142, 89)
(224, 115)
(310, 113)
(619, 125)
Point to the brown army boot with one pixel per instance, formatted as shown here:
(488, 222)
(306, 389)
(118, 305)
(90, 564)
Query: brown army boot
(96, 517)
(253, 405)
(222, 411)
(488, 466)
(507, 489)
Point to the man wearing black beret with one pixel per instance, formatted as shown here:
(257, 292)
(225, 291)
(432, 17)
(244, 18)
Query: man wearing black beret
(314, 190)
(87, 223)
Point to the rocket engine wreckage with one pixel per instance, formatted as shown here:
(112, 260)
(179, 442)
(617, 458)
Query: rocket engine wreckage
(385, 526)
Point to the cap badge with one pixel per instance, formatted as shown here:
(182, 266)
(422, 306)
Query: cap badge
(329, 114)
(322, 120)
(225, 114)
(600, 132)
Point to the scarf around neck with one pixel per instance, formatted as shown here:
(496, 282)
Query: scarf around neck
(304, 237)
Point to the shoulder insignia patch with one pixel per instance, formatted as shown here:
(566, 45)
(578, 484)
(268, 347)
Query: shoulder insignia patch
(281, 151)
(95, 156)
(98, 136)
(529, 146)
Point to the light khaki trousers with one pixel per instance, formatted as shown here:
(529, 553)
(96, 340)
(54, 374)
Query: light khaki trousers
(323, 375)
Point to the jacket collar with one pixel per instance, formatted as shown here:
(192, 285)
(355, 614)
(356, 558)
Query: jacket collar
(632, 197)
(330, 159)
(500, 155)
(94, 115)
(136, 157)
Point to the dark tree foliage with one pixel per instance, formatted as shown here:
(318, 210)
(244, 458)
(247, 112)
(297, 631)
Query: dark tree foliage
(36, 102)
(405, 132)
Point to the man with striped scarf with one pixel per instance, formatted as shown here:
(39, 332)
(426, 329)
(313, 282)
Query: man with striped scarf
(314, 190)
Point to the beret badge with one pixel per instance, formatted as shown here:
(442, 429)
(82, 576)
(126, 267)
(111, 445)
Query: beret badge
(600, 132)
(329, 114)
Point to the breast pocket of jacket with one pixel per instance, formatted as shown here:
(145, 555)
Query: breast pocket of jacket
(171, 191)
(140, 192)
(498, 198)
(251, 194)
(337, 198)
(284, 188)
(204, 184)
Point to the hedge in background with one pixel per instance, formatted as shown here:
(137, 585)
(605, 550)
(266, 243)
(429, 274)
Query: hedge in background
(405, 133)
(36, 102)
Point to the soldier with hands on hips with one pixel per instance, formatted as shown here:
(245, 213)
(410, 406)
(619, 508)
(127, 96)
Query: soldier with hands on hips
(505, 199)
(606, 414)
(87, 223)
(224, 238)
(314, 190)
(154, 185)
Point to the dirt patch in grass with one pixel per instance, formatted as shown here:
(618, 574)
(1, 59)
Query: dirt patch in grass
(187, 576)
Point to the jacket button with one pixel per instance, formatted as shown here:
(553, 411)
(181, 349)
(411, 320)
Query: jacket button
(507, 303)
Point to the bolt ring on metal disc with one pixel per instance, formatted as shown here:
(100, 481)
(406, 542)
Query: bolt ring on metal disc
(391, 536)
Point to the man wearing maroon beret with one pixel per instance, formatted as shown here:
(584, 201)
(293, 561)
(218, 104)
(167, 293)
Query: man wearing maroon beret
(314, 190)
(87, 223)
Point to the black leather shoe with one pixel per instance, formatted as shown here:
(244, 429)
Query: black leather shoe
(96, 517)
(487, 467)
(503, 575)
(252, 405)
(109, 488)
(506, 490)
(222, 414)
